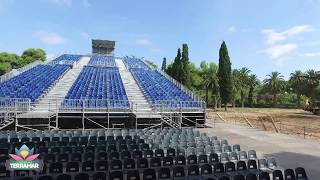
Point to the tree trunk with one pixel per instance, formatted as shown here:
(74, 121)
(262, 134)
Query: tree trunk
(274, 100)
(242, 99)
(207, 94)
(225, 106)
(215, 101)
(298, 100)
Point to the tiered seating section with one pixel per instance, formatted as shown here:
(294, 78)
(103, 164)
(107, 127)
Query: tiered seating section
(139, 154)
(99, 83)
(135, 63)
(101, 60)
(66, 59)
(32, 83)
(157, 87)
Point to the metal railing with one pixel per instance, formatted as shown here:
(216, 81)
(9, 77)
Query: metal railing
(95, 105)
(16, 72)
(15, 104)
(167, 105)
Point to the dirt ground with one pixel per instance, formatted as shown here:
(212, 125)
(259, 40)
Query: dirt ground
(287, 121)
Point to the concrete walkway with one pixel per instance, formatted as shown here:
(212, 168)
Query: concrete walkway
(289, 151)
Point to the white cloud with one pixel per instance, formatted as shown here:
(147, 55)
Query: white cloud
(51, 38)
(84, 3)
(273, 36)
(277, 51)
(312, 54)
(155, 50)
(61, 2)
(144, 42)
(232, 29)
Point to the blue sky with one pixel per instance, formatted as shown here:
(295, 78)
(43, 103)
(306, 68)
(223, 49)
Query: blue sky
(264, 36)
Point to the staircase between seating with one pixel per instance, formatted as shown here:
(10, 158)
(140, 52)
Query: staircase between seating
(52, 100)
(141, 106)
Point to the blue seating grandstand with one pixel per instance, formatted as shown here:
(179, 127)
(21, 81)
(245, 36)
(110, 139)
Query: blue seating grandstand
(134, 63)
(66, 59)
(157, 87)
(32, 83)
(101, 60)
(100, 83)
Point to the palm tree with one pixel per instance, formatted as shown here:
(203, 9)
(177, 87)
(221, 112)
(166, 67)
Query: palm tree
(253, 82)
(297, 83)
(312, 82)
(241, 78)
(210, 80)
(275, 84)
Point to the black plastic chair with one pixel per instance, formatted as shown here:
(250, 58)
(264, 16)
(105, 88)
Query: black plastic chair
(192, 159)
(81, 176)
(149, 174)
(239, 177)
(129, 164)
(164, 173)
(72, 167)
(116, 165)
(264, 176)
(116, 175)
(87, 166)
(180, 160)
(206, 170)
(142, 163)
(301, 173)
(56, 168)
(63, 177)
(45, 177)
(251, 176)
(277, 175)
(99, 176)
(155, 162)
(101, 165)
(289, 174)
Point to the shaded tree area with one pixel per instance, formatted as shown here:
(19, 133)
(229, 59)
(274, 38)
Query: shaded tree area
(13, 61)
(218, 84)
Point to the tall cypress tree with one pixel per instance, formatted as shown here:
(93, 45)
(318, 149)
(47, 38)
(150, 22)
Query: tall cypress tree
(177, 67)
(185, 77)
(224, 75)
(164, 64)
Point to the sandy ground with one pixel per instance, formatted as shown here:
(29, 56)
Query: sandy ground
(290, 151)
(287, 121)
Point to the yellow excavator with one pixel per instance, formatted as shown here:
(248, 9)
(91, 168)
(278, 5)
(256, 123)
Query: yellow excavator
(312, 106)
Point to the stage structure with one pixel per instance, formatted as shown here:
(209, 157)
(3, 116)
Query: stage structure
(104, 47)
(97, 91)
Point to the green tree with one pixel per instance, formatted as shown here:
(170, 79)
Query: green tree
(253, 82)
(164, 64)
(30, 55)
(8, 62)
(153, 65)
(275, 84)
(176, 71)
(210, 80)
(4, 68)
(297, 84)
(241, 79)
(224, 75)
(185, 66)
(312, 82)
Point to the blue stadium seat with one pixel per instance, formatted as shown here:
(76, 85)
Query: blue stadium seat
(97, 84)
(33, 82)
(101, 60)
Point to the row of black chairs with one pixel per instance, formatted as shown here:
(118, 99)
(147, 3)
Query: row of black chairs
(178, 173)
